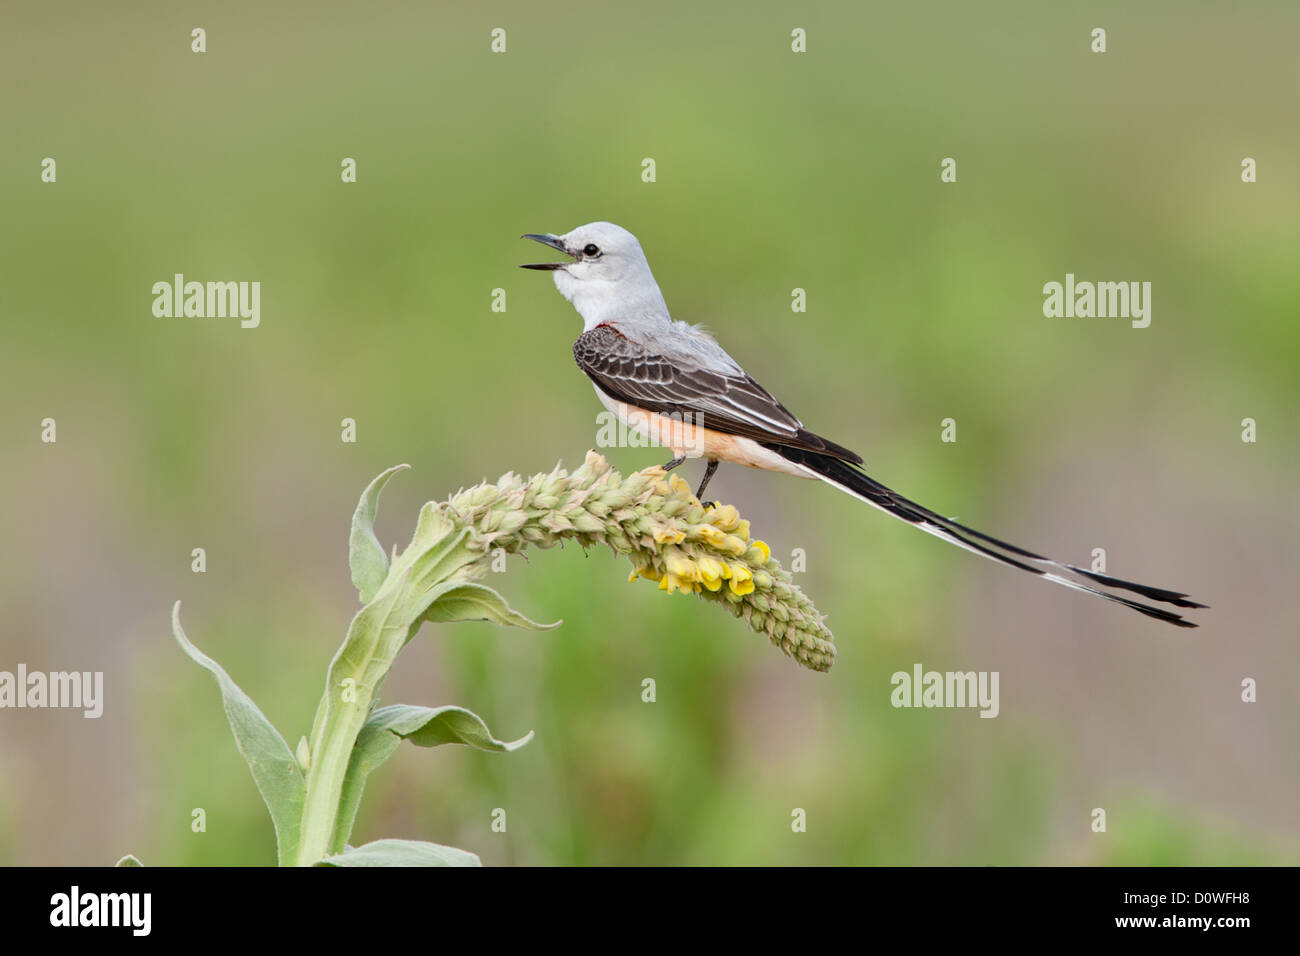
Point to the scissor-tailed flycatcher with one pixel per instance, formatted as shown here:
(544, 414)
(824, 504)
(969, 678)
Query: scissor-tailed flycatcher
(672, 382)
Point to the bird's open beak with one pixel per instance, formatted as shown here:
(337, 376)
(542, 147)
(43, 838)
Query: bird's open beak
(554, 243)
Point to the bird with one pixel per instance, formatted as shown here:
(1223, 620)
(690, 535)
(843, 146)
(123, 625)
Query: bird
(671, 381)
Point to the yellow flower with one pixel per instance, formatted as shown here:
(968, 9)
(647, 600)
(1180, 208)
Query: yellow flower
(711, 572)
(762, 548)
(669, 536)
(733, 545)
(710, 535)
(680, 565)
(671, 583)
(723, 517)
(679, 486)
(742, 582)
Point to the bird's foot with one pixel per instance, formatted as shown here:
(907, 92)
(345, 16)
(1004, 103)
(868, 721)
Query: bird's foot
(704, 482)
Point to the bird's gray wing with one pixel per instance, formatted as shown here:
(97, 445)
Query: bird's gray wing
(724, 400)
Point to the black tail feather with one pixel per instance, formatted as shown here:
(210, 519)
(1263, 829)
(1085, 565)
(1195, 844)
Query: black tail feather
(863, 486)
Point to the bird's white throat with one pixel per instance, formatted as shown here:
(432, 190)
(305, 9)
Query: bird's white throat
(629, 299)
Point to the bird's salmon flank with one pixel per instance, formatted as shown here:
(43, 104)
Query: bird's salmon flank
(673, 383)
(687, 440)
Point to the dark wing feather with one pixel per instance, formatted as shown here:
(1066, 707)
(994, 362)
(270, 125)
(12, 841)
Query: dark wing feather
(734, 404)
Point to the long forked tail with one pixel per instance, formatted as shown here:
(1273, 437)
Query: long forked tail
(850, 479)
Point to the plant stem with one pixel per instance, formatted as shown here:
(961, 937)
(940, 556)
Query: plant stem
(360, 665)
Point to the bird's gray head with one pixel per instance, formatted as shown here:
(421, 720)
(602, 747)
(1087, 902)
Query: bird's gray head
(608, 278)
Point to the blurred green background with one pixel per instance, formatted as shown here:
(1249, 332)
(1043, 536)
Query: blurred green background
(774, 171)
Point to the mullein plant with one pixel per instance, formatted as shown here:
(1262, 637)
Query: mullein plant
(670, 537)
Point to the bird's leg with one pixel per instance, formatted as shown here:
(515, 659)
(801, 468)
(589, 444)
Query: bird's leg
(708, 473)
(669, 466)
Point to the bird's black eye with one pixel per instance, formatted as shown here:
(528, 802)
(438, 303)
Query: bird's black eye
(591, 250)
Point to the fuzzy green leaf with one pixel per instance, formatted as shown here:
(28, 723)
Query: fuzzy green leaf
(431, 726)
(366, 555)
(402, 853)
(387, 727)
(478, 602)
(269, 759)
